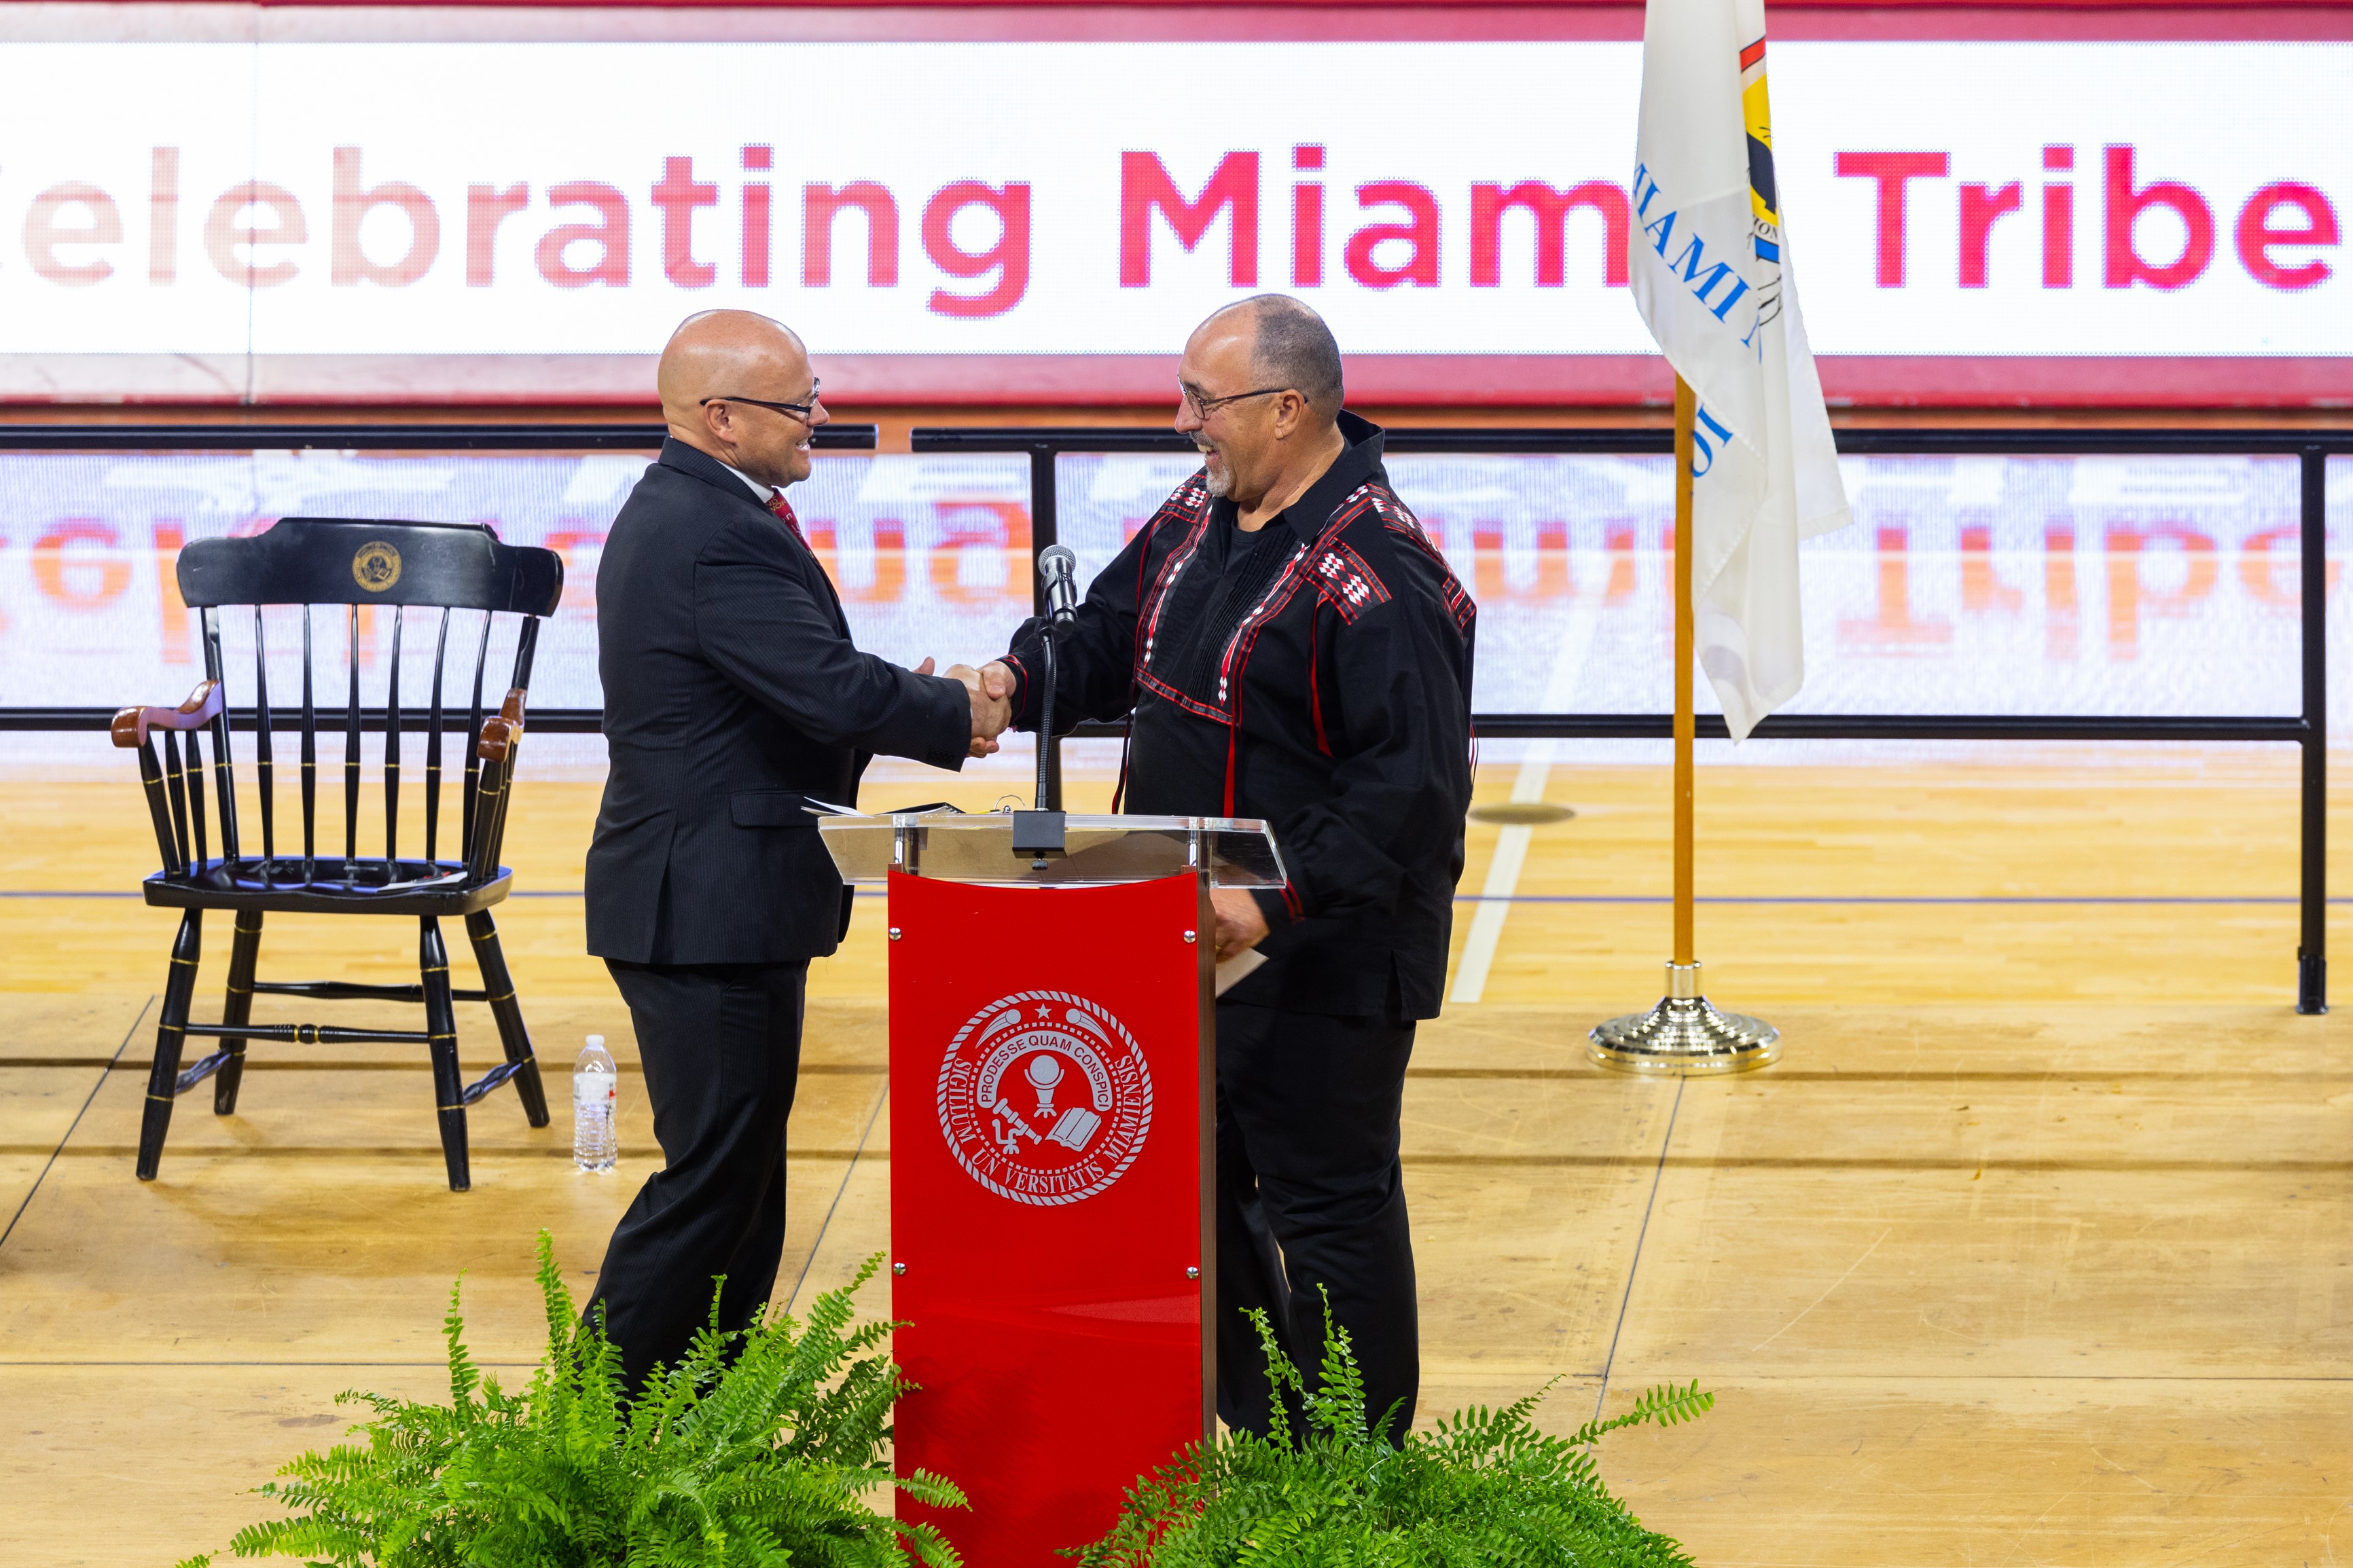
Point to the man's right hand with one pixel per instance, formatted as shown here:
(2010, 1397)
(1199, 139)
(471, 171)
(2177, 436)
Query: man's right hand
(990, 714)
(989, 687)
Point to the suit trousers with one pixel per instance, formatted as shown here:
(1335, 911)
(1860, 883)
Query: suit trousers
(722, 1045)
(1311, 1200)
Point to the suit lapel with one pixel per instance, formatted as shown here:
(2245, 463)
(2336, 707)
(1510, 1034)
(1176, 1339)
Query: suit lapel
(677, 454)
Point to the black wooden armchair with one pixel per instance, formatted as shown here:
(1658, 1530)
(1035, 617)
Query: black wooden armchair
(342, 566)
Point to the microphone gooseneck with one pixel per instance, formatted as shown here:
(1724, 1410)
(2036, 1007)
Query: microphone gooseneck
(1058, 568)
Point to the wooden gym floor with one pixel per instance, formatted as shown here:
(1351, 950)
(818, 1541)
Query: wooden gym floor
(2035, 1250)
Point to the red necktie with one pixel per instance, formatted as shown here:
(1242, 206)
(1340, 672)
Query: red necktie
(783, 508)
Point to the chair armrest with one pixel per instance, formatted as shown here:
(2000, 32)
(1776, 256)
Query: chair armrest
(204, 705)
(500, 734)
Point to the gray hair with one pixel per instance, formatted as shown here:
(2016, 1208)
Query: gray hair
(1293, 348)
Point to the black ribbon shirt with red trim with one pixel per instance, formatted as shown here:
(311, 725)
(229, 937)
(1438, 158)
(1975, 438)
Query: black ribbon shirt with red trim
(1315, 673)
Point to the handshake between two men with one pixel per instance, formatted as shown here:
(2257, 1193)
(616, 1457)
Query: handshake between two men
(1241, 924)
(991, 687)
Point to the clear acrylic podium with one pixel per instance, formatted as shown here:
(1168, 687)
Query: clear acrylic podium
(1052, 1152)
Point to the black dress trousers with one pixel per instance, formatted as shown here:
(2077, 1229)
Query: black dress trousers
(1311, 1193)
(721, 1046)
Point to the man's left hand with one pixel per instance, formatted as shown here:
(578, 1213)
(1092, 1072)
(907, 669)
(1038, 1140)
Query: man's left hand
(1240, 926)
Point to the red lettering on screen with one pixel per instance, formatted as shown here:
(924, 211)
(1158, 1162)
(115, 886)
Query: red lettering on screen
(1895, 629)
(1307, 220)
(889, 562)
(1002, 526)
(1009, 257)
(1666, 601)
(2058, 221)
(610, 234)
(818, 205)
(757, 225)
(1419, 233)
(2257, 236)
(678, 193)
(349, 261)
(168, 535)
(2124, 264)
(1145, 186)
(1620, 542)
(162, 215)
(232, 226)
(1980, 206)
(1892, 172)
(2129, 596)
(1549, 209)
(2061, 625)
(486, 207)
(580, 577)
(2273, 575)
(1491, 567)
(85, 580)
(99, 223)
(1982, 589)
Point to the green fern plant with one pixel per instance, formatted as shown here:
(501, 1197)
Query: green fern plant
(1486, 1489)
(757, 1450)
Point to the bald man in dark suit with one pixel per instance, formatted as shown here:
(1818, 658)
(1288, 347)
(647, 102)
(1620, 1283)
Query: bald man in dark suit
(734, 700)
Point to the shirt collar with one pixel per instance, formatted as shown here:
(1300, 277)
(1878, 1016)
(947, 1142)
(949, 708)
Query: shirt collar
(1358, 461)
(764, 494)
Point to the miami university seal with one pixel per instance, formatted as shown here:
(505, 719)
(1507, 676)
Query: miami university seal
(376, 567)
(1044, 1098)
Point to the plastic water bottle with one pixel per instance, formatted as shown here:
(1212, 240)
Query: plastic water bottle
(595, 1082)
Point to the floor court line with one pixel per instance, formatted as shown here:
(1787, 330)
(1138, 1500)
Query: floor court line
(825, 1225)
(1641, 1235)
(1514, 841)
(30, 1192)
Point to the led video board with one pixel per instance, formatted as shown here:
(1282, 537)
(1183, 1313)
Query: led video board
(340, 207)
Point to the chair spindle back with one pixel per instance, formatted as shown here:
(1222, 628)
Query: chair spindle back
(353, 565)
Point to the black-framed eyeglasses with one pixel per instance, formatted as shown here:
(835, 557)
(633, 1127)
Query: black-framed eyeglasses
(801, 411)
(1204, 406)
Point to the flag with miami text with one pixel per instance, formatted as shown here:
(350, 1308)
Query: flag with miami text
(1709, 263)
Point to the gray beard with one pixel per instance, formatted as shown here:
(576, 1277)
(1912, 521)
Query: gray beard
(1219, 488)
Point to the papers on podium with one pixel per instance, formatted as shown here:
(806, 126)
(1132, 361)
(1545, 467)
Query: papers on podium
(1238, 968)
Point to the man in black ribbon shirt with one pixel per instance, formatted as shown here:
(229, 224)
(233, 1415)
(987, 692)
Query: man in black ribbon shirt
(1292, 646)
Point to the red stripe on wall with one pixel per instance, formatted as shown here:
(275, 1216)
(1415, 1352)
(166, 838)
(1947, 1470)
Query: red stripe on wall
(1101, 380)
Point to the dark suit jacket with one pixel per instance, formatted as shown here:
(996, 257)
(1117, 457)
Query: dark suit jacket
(733, 696)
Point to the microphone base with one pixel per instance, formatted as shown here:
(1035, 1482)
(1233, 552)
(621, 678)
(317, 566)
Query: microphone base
(1037, 833)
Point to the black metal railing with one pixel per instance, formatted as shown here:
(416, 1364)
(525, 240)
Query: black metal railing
(1044, 445)
(2309, 729)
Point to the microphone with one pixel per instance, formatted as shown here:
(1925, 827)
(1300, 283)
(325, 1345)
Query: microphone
(1058, 565)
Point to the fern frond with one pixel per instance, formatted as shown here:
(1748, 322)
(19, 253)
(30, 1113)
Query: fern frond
(759, 1449)
(1666, 1405)
(1486, 1489)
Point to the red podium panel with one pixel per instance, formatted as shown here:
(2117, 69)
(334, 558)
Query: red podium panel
(1051, 1093)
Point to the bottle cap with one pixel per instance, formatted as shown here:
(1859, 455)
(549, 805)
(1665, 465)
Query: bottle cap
(597, 1041)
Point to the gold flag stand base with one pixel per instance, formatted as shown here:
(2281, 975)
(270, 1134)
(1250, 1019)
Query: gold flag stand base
(1685, 1036)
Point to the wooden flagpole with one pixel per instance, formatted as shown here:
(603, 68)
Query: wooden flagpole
(1686, 724)
(1683, 1034)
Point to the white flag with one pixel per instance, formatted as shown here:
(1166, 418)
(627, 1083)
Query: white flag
(1711, 275)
